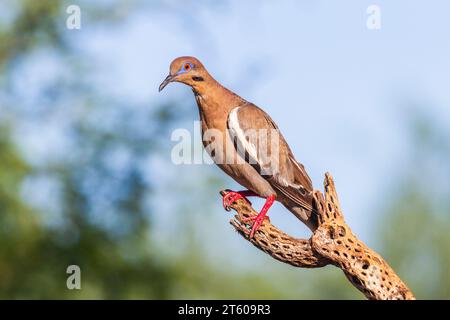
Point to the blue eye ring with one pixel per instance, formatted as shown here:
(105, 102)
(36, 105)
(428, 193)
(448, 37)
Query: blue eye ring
(186, 67)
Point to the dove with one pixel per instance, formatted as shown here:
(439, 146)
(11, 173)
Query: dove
(251, 149)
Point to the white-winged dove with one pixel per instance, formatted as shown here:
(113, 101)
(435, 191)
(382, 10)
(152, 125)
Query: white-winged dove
(227, 113)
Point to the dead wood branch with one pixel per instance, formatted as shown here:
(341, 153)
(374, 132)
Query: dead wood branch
(331, 243)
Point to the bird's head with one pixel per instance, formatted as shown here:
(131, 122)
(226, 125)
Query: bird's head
(187, 70)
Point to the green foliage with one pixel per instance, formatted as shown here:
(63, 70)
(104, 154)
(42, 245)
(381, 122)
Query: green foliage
(116, 257)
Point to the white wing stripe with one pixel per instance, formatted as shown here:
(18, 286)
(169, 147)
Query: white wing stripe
(236, 131)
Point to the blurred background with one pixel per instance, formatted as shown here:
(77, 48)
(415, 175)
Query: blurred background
(86, 175)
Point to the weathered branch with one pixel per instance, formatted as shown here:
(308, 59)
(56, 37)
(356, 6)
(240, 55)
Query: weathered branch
(331, 243)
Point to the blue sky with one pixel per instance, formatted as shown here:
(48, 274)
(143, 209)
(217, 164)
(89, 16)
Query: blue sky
(338, 91)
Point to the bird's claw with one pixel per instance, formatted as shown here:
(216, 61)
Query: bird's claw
(231, 197)
(257, 222)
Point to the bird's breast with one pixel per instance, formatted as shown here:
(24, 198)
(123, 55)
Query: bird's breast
(212, 115)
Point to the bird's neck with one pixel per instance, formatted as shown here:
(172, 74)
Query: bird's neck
(211, 96)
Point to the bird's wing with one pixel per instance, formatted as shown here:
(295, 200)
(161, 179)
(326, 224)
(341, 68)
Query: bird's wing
(259, 141)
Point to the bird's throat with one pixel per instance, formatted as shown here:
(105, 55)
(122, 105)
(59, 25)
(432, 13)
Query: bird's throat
(210, 95)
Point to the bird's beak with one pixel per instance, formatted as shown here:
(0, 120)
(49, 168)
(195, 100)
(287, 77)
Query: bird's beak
(166, 81)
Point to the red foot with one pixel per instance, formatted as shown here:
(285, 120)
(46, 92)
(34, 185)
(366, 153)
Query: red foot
(258, 220)
(233, 196)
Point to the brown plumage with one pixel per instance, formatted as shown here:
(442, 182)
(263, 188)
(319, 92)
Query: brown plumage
(286, 179)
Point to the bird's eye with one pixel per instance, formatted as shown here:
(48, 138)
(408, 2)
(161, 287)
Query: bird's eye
(187, 66)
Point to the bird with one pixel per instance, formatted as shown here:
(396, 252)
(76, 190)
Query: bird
(273, 174)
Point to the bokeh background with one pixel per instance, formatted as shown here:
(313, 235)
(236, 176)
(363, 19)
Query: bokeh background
(86, 176)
